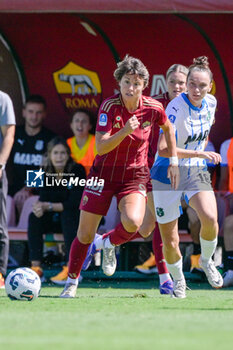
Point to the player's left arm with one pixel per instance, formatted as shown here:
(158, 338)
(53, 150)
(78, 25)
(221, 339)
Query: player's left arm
(8, 134)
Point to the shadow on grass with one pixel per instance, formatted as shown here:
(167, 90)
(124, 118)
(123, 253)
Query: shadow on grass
(112, 284)
(130, 284)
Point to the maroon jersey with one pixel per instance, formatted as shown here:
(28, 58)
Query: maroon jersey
(153, 140)
(128, 161)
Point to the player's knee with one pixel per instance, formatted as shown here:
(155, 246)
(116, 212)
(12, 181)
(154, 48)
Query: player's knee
(146, 229)
(171, 245)
(131, 224)
(210, 221)
(145, 234)
(84, 237)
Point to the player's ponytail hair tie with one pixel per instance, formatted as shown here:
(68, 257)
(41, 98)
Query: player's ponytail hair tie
(200, 63)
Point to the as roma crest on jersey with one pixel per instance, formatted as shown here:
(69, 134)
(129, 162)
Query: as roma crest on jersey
(78, 87)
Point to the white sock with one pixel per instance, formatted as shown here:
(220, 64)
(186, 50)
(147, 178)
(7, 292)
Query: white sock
(99, 243)
(164, 277)
(72, 281)
(108, 244)
(176, 269)
(208, 248)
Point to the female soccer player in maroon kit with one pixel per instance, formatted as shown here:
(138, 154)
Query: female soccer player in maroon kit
(122, 138)
(176, 84)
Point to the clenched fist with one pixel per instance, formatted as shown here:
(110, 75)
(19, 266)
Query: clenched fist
(131, 124)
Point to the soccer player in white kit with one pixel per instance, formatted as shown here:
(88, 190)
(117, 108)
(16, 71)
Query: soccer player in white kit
(192, 115)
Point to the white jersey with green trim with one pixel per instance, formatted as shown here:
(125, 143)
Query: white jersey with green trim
(192, 126)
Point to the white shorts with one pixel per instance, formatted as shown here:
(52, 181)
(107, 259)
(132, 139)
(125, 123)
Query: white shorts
(167, 201)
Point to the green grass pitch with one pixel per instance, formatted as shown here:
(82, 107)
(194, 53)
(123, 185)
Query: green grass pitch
(119, 315)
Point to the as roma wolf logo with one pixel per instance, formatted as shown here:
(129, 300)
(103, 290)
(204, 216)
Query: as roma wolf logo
(78, 87)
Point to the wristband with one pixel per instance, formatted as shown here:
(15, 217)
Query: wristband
(173, 161)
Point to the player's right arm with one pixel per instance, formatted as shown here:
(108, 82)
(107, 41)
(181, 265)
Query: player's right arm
(105, 142)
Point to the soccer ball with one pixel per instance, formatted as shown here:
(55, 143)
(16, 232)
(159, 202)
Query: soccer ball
(22, 284)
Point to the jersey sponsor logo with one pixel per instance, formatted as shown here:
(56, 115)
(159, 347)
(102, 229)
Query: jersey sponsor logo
(117, 125)
(196, 138)
(78, 87)
(172, 118)
(35, 178)
(103, 119)
(27, 159)
(39, 145)
(145, 124)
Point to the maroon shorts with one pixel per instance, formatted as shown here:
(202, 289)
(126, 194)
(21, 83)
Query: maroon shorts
(97, 200)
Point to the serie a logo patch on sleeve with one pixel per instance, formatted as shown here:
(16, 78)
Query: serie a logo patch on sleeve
(103, 119)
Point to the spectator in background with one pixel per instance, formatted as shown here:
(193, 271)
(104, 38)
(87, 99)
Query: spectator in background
(82, 144)
(57, 207)
(226, 173)
(226, 194)
(7, 131)
(30, 144)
